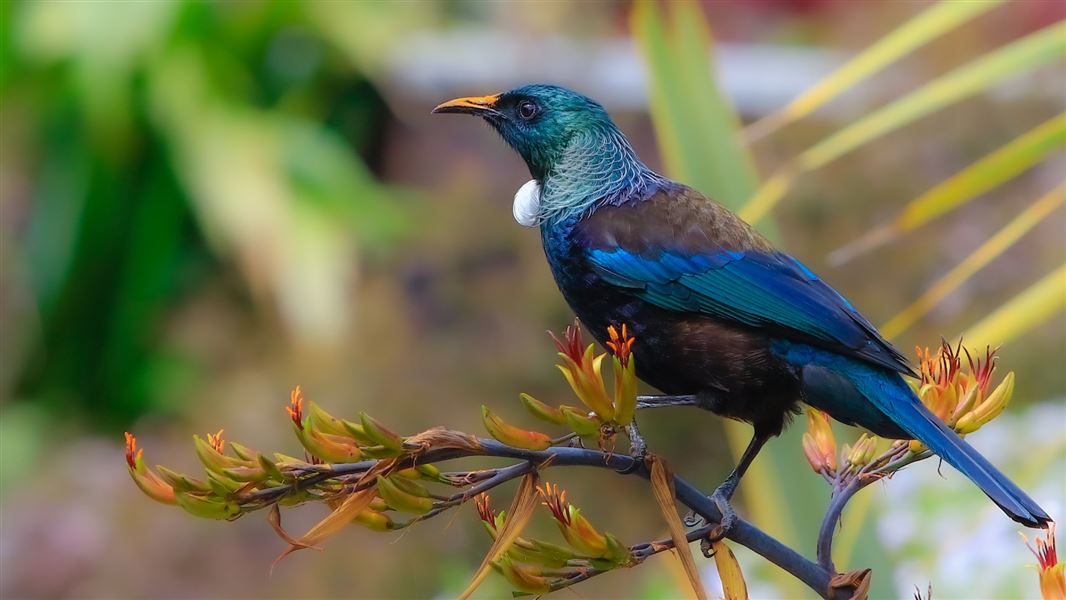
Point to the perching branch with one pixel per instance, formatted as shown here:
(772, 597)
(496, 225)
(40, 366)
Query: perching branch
(371, 475)
(744, 533)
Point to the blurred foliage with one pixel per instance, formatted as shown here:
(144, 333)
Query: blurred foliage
(180, 239)
(939, 19)
(155, 140)
(698, 134)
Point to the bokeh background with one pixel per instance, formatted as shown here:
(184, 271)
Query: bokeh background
(205, 203)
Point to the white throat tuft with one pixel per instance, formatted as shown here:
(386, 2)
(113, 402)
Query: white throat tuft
(526, 207)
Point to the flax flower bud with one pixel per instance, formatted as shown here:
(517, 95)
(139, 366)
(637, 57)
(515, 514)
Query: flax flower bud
(330, 447)
(625, 373)
(525, 578)
(864, 450)
(151, 484)
(1050, 570)
(819, 445)
(492, 521)
(989, 408)
(583, 371)
(542, 411)
(576, 529)
(511, 435)
(400, 497)
(579, 423)
(374, 520)
(207, 506)
(380, 434)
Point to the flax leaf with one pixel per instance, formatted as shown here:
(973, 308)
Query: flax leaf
(662, 485)
(986, 253)
(1034, 50)
(1036, 304)
(988, 172)
(696, 127)
(334, 522)
(927, 26)
(733, 585)
(518, 515)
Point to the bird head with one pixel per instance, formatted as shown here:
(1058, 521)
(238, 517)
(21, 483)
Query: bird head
(538, 121)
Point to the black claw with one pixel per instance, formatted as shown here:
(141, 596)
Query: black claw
(693, 520)
(706, 548)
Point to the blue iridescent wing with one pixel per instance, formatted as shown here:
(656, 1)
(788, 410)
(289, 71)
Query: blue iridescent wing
(707, 261)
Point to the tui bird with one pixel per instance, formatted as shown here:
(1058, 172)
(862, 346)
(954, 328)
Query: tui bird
(725, 321)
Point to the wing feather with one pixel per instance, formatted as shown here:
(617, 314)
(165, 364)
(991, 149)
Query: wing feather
(701, 258)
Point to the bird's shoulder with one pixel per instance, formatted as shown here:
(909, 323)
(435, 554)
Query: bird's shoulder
(684, 252)
(672, 218)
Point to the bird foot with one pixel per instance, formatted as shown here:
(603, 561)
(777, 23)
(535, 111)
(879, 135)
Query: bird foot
(638, 448)
(721, 498)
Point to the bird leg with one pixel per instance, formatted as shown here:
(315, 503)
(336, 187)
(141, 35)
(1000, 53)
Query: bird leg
(638, 448)
(661, 401)
(724, 492)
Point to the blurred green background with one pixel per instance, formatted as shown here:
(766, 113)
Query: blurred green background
(205, 203)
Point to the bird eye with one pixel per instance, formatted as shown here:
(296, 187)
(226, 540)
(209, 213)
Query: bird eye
(527, 110)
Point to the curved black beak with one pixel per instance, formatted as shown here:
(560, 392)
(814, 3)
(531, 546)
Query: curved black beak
(471, 105)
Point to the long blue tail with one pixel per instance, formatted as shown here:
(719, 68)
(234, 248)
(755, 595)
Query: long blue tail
(827, 376)
(891, 395)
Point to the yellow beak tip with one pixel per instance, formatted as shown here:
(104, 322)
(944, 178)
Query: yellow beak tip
(469, 104)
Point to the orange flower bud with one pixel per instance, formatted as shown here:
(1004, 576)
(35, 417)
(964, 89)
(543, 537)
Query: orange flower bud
(864, 450)
(524, 578)
(216, 441)
(511, 435)
(296, 407)
(576, 529)
(1052, 577)
(210, 454)
(625, 374)
(327, 446)
(483, 502)
(989, 408)
(819, 445)
(582, 371)
(620, 343)
(149, 483)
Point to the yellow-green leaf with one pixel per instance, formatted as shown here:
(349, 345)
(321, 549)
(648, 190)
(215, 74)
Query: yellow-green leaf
(662, 486)
(986, 253)
(990, 171)
(733, 585)
(518, 515)
(928, 25)
(1036, 304)
(1034, 50)
(334, 521)
(696, 127)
